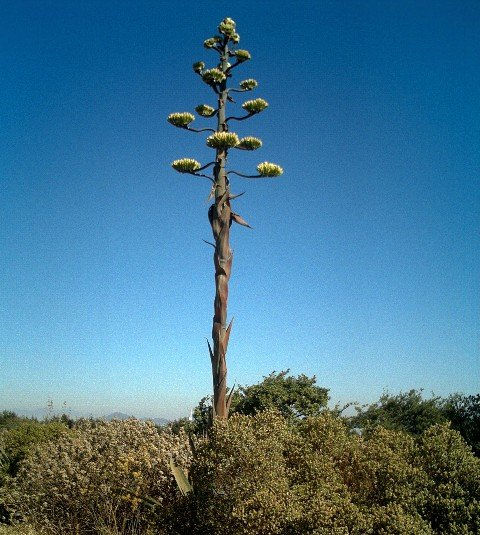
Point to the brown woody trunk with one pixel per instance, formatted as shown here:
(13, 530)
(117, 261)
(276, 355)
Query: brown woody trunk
(220, 220)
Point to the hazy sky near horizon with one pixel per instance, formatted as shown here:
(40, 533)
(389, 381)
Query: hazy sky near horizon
(362, 267)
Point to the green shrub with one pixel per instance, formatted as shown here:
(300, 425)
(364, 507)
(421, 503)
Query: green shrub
(264, 475)
(240, 477)
(407, 411)
(21, 436)
(96, 478)
(294, 397)
(18, 436)
(451, 501)
(379, 469)
(464, 413)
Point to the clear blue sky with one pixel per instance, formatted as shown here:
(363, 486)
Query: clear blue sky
(362, 267)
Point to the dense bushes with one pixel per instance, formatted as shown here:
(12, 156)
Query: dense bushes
(241, 479)
(17, 440)
(411, 412)
(18, 436)
(300, 397)
(257, 475)
(262, 475)
(99, 477)
(464, 414)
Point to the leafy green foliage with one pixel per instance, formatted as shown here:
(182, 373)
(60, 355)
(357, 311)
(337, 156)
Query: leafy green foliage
(293, 397)
(18, 437)
(451, 499)
(9, 419)
(240, 479)
(464, 414)
(411, 413)
(20, 529)
(404, 412)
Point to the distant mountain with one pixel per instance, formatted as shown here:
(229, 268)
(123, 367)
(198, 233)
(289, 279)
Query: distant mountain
(159, 421)
(117, 416)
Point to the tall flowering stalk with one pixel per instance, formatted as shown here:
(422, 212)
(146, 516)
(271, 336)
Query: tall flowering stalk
(220, 213)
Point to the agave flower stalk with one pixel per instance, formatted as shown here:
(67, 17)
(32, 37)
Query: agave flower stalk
(220, 213)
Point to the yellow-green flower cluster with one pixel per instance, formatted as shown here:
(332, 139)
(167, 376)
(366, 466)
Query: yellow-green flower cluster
(213, 76)
(248, 84)
(269, 169)
(198, 66)
(211, 42)
(223, 140)
(235, 38)
(255, 106)
(180, 119)
(243, 55)
(186, 165)
(250, 143)
(204, 110)
(227, 27)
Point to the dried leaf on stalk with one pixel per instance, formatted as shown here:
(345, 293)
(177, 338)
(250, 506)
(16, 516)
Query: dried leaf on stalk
(181, 478)
(227, 335)
(239, 219)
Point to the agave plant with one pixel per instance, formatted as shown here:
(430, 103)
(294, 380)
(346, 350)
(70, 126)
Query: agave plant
(220, 213)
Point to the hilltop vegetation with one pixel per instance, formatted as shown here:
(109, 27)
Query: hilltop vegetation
(282, 464)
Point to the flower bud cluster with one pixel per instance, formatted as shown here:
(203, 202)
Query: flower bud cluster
(223, 140)
(227, 27)
(204, 110)
(213, 76)
(198, 66)
(211, 42)
(248, 84)
(250, 143)
(186, 165)
(243, 55)
(181, 119)
(255, 106)
(269, 169)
